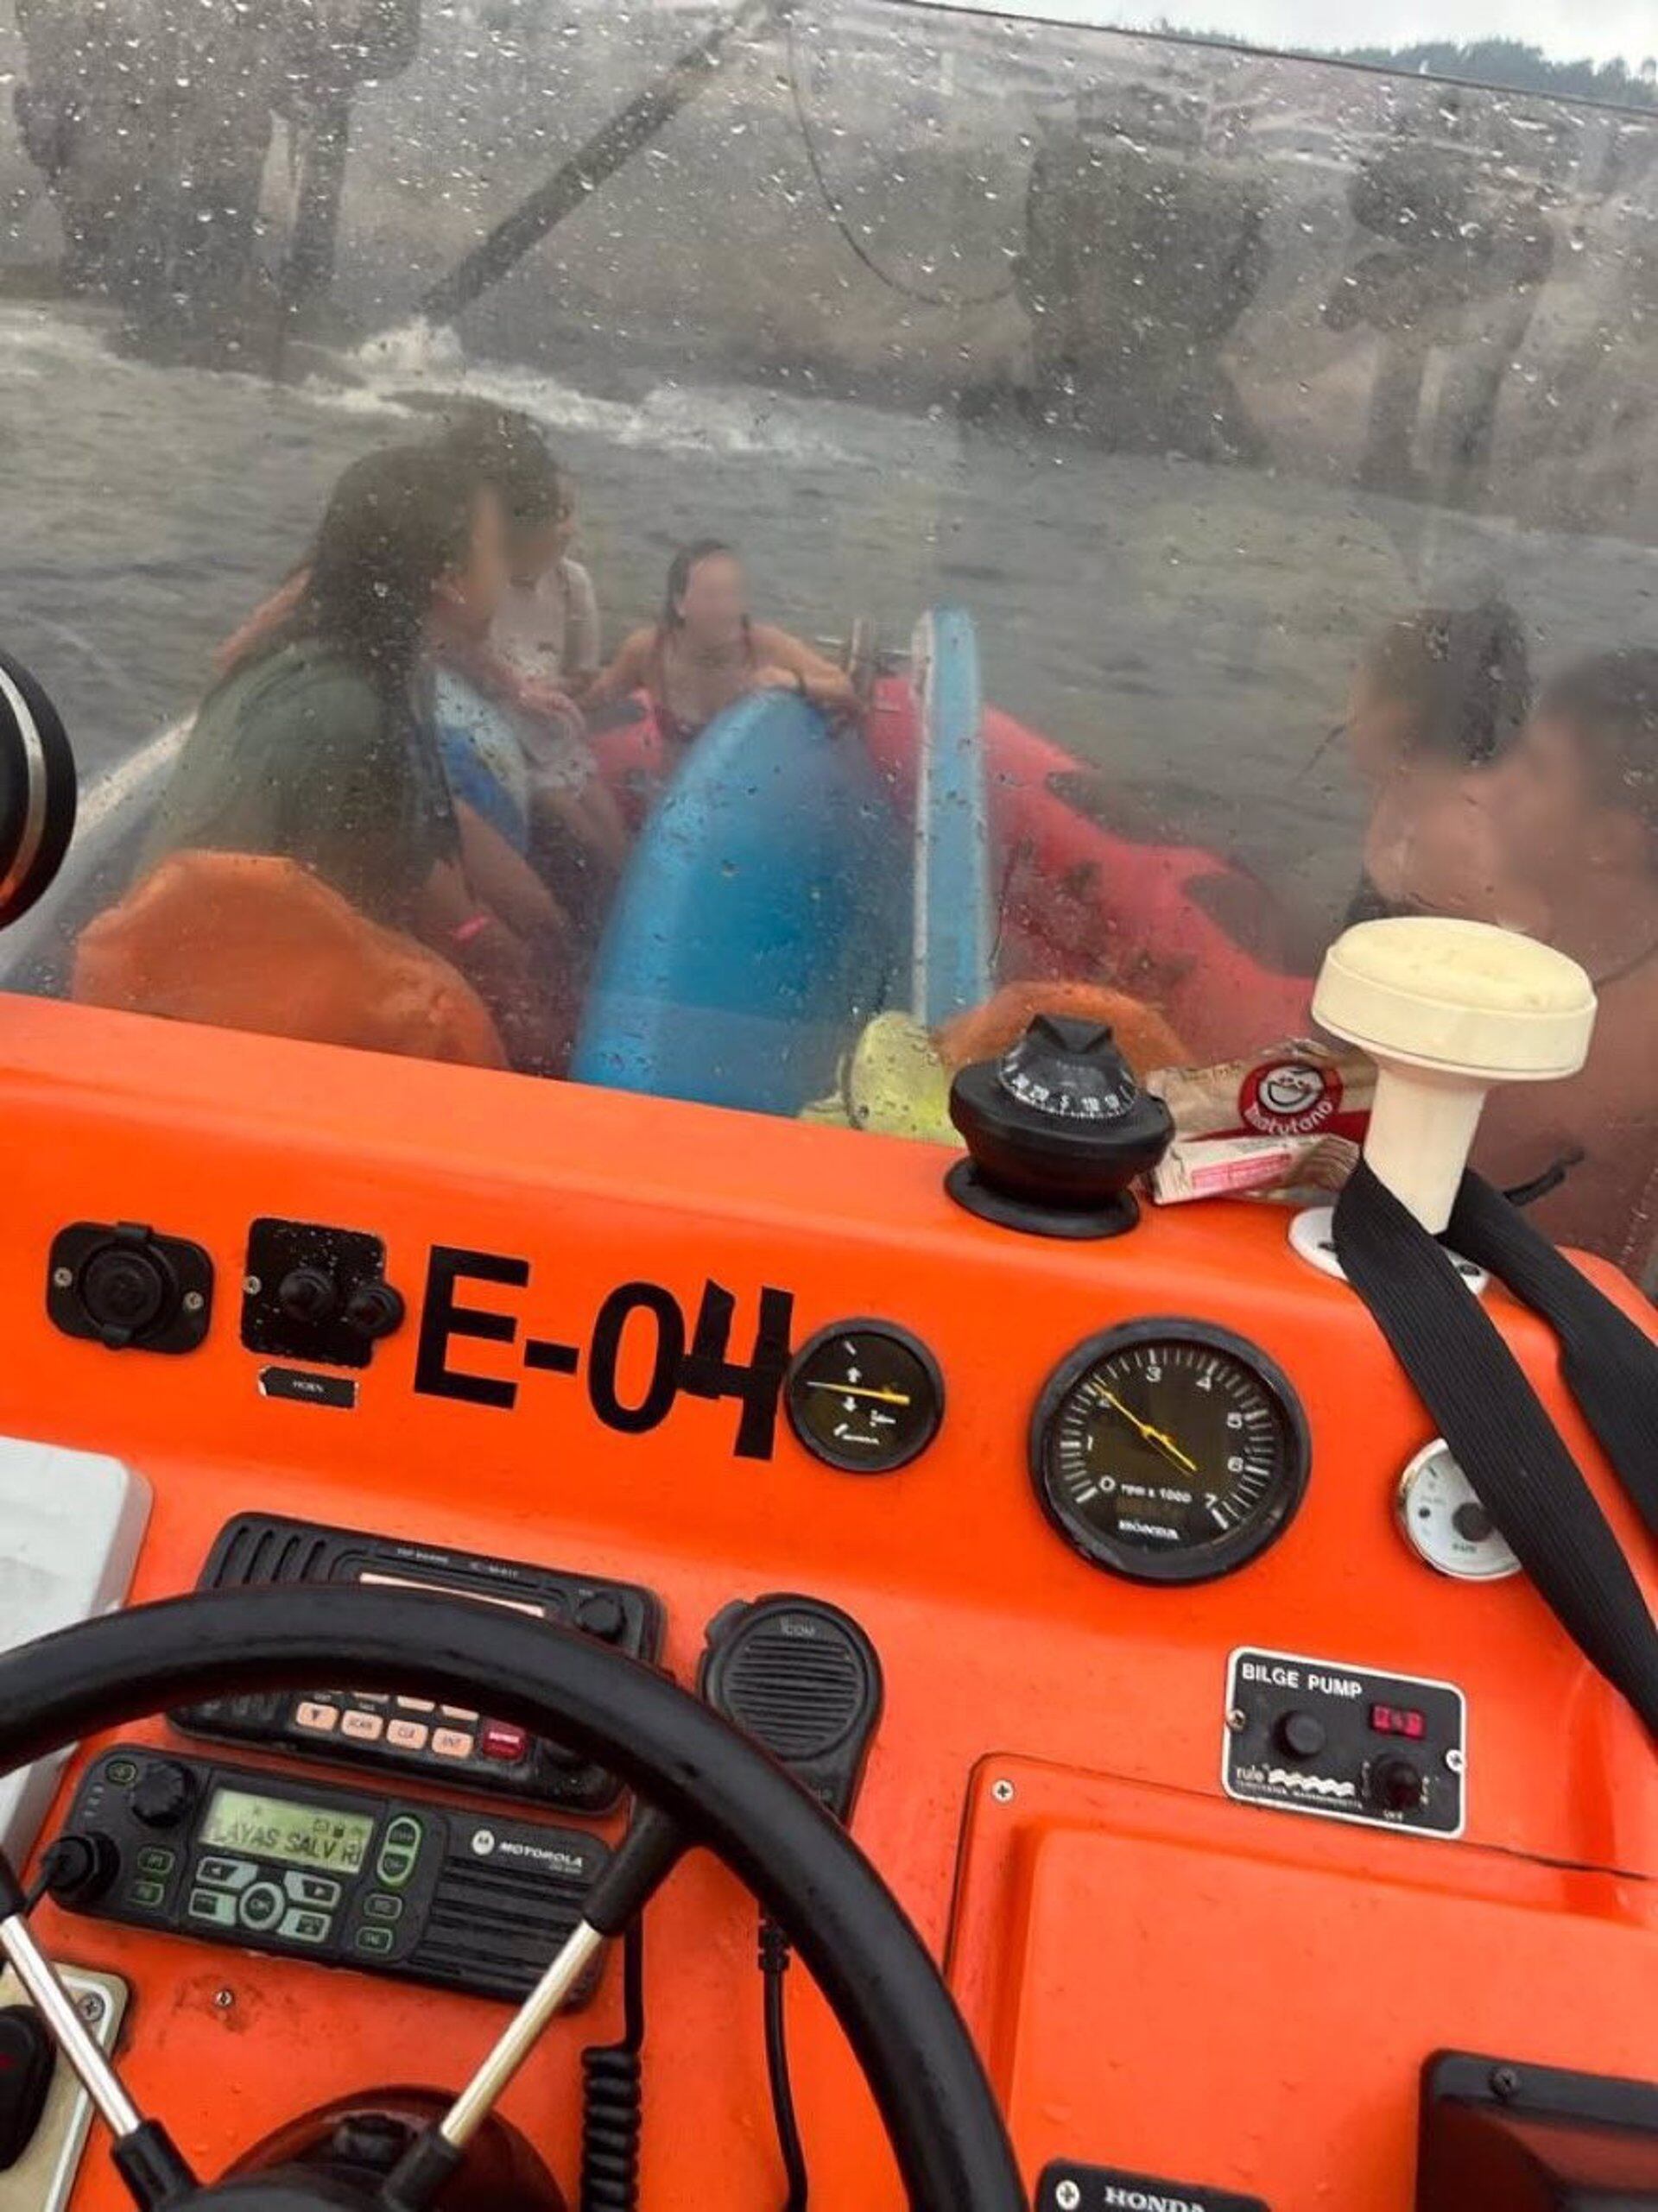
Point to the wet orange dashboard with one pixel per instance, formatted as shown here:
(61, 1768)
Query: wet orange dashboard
(1164, 1978)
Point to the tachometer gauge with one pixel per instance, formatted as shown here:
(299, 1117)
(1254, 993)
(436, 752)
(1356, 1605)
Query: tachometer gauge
(1169, 1451)
(864, 1396)
(1446, 1524)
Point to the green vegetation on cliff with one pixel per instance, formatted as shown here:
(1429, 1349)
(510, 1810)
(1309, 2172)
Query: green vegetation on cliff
(1523, 68)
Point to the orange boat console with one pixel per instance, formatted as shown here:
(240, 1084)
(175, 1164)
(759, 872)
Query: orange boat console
(1225, 1836)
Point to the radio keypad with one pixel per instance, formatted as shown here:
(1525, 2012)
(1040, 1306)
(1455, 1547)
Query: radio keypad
(453, 1744)
(226, 1873)
(399, 1849)
(260, 1907)
(312, 1889)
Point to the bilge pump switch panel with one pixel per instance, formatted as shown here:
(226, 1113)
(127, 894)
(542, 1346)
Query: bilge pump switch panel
(1344, 1742)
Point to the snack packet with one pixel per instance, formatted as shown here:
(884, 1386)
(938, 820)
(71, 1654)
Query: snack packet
(1286, 1125)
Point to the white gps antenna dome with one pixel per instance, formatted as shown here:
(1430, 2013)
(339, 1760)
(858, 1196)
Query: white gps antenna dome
(1447, 1009)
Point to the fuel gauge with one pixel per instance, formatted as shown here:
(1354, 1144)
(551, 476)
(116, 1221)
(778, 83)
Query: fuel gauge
(864, 1396)
(1446, 1524)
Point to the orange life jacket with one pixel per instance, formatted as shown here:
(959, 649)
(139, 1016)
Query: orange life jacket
(244, 941)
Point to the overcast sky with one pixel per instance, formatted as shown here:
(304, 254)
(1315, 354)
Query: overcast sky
(1565, 28)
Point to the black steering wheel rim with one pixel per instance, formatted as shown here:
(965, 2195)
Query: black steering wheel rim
(937, 2103)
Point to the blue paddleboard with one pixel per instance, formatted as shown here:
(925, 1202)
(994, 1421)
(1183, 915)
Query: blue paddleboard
(951, 942)
(759, 922)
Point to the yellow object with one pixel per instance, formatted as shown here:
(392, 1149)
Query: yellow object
(893, 1082)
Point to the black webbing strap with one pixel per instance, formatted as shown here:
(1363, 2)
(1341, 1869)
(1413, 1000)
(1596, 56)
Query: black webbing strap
(1497, 1431)
(1610, 1366)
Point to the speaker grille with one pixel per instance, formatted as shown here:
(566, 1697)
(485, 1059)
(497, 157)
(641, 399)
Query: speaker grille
(799, 1695)
(271, 1551)
(490, 1924)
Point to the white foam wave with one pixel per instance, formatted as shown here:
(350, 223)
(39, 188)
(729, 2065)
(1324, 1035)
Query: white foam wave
(722, 421)
(401, 373)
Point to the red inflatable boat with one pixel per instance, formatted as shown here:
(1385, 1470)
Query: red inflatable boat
(1084, 890)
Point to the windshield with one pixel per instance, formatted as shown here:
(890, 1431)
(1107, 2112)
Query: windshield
(736, 554)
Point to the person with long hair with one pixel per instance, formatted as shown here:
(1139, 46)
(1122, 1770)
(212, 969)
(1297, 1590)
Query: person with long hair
(546, 630)
(705, 651)
(511, 735)
(1432, 708)
(514, 741)
(317, 745)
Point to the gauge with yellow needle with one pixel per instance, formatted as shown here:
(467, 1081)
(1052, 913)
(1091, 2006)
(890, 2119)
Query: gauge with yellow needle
(1168, 1451)
(864, 1396)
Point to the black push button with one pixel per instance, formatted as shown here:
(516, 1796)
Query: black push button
(1300, 1735)
(26, 2063)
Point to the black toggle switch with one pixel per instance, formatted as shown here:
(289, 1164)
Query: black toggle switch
(314, 1292)
(375, 1310)
(27, 2058)
(307, 1294)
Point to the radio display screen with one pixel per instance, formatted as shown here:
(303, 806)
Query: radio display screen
(277, 1828)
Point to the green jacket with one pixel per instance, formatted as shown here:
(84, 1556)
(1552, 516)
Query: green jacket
(300, 754)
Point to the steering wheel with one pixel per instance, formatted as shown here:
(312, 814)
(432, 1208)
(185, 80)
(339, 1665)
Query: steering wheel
(700, 1781)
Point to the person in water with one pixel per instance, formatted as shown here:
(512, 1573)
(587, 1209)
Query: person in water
(706, 652)
(317, 743)
(1432, 708)
(1576, 808)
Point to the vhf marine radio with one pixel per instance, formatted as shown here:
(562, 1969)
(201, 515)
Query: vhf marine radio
(447, 1744)
(440, 1894)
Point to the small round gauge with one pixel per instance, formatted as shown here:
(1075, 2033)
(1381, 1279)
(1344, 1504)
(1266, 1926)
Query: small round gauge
(1169, 1451)
(1446, 1524)
(865, 1396)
